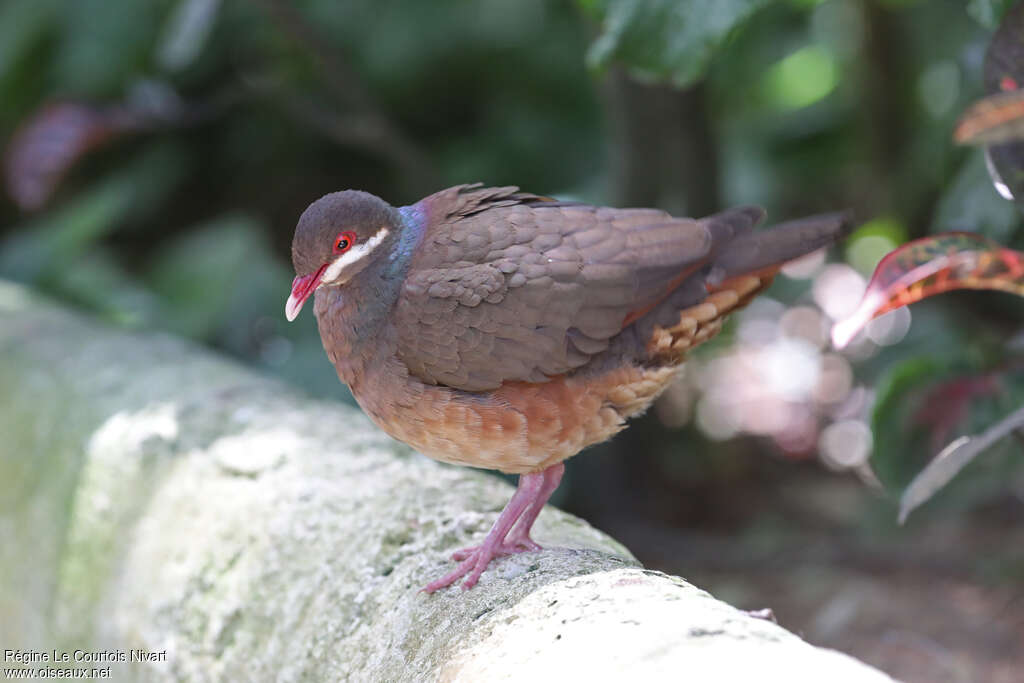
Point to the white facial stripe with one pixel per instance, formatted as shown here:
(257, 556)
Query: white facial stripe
(354, 254)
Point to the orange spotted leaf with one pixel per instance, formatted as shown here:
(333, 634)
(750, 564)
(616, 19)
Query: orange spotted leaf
(993, 120)
(930, 266)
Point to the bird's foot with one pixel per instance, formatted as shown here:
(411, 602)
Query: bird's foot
(519, 545)
(472, 565)
(474, 561)
(533, 491)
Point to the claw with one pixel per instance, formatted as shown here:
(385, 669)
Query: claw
(506, 548)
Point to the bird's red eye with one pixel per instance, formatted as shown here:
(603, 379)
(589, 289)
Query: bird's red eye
(344, 241)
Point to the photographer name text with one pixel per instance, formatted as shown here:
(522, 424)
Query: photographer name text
(82, 656)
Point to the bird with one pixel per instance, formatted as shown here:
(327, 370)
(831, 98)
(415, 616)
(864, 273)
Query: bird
(499, 329)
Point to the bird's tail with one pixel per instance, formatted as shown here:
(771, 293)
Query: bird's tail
(745, 266)
(761, 251)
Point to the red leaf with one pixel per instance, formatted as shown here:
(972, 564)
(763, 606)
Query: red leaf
(930, 266)
(947, 403)
(50, 142)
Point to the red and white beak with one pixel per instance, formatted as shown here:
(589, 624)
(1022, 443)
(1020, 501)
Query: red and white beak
(302, 288)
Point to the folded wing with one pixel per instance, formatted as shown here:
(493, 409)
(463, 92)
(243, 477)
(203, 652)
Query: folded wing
(509, 286)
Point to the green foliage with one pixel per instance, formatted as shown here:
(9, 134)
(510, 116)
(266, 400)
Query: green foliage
(897, 422)
(666, 40)
(925, 403)
(24, 27)
(955, 457)
(43, 249)
(217, 277)
(103, 44)
(972, 203)
(989, 12)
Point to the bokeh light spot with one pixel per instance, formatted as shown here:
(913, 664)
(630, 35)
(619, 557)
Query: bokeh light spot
(834, 381)
(806, 323)
(872, 241)
(889, 328)
(789, 368)
(801, 79)
(805, 266)
(838, 290)
(865, 253)
(718, 417)
(845, 444)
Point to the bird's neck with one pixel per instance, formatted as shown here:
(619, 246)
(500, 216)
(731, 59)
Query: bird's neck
(354, 319)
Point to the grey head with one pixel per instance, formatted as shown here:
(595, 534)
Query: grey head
(337, 237)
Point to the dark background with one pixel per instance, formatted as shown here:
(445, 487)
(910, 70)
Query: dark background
(158, 154)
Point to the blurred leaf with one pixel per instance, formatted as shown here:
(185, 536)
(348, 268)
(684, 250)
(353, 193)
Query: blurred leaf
(971, 203)
(96, 281)
(952, 459)
(51, 242)
(988, 12)
(27, 29)
(105, 44)
(202, 276)
(925, 403)
(930, 266)
(665, 40)
(992, 120)
(53, 139)
(22, 22)
(157, 172)
(186, 32)
(1005, 164)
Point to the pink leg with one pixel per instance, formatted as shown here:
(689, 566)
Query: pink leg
(518, 540)
(520, 535)
(533, 491)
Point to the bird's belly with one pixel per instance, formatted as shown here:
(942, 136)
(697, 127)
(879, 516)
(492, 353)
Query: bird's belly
(520, 427)
(526, 427)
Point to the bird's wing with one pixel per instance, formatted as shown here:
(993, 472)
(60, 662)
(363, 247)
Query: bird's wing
(508, 286)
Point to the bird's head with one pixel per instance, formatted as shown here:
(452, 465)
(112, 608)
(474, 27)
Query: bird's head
(337, 237)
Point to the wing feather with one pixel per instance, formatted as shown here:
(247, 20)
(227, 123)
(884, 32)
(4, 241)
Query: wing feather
(509, 286)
